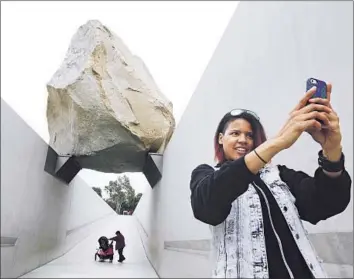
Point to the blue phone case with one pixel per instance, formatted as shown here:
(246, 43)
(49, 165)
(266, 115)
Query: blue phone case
(321, 88)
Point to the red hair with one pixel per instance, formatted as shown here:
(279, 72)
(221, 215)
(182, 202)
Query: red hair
(259, 135)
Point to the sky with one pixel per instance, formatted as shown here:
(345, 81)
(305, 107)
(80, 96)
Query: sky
(174, 39)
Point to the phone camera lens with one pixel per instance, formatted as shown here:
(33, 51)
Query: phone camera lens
(313, 81)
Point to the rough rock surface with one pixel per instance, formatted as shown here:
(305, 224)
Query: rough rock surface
(104, 107)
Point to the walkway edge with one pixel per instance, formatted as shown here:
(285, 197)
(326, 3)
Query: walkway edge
(142, 242)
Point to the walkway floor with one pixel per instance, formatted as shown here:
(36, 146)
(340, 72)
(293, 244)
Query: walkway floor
(79, 262)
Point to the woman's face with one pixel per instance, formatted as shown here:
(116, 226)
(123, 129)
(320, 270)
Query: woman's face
(237, 140)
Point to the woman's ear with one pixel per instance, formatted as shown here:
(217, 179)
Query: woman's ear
(221, 136)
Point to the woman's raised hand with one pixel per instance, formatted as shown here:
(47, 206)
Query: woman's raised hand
(330, 136)
(304, 117)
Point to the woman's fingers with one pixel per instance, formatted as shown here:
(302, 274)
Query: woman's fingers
(329, 92)
(312, 111)
(324, 117)
(305, 99)
(332, 115)
(320, 101)
(311, 124)
(327, 101)
(313, 107)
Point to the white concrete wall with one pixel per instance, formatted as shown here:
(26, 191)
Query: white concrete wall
(46, 216)
(262, 62)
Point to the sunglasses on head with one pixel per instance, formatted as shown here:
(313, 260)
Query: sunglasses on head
(236, 112)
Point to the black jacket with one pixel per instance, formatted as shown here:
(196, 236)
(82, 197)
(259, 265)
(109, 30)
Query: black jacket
(317, 198)
(120, 241)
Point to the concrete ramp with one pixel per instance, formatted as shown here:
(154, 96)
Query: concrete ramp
(79, 261)
(50, 228)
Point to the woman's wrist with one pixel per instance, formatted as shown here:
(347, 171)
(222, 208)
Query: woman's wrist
(256, 160)
(332, 174)
(270, 148)
(333, 154)
(277, 144)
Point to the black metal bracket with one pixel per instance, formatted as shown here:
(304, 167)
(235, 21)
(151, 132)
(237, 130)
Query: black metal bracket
(61, 167)
(66, 168)
(153, 168)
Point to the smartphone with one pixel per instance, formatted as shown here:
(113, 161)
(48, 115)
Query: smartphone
(321, 90)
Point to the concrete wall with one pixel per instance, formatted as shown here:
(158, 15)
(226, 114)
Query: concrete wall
(262, 62)
(41, 218)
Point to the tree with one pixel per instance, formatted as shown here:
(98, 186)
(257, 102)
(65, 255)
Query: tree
(137, 199)
(98, 190)
(111, 204)
(122, 195)
(116, 195)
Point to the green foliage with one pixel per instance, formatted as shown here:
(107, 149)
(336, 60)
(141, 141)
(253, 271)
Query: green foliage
(122, 195)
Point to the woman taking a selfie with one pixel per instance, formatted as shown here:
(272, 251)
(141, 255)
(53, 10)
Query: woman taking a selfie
(255, 208)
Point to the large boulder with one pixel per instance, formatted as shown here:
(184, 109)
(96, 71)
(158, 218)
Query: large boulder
(104, 107)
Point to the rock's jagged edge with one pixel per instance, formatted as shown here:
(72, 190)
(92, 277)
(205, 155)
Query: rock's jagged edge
(104, 107)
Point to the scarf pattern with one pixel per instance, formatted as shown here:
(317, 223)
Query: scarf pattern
(238, 244)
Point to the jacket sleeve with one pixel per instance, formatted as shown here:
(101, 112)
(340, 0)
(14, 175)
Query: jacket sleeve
(318, 197)
(212, 192)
